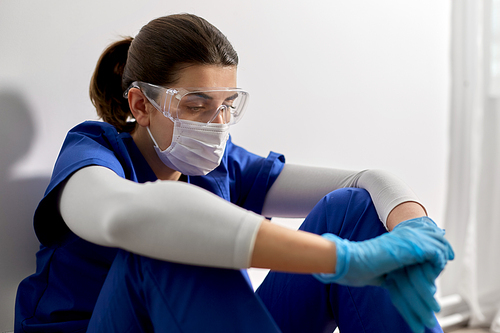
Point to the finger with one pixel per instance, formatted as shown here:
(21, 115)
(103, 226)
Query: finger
(420, 226)
(401, 304)
(434, 249)
(430, 271)
(423, 286)
(412, 248)
(429, 232)
(451, 253)
(420, 293)
(425, 240)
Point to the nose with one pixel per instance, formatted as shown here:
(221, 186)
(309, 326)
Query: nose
(219, 118)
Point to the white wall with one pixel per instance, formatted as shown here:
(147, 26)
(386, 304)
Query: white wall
(349, 84)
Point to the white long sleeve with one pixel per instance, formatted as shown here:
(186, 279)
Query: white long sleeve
(167, 220)
(179, 222)
(298, 188)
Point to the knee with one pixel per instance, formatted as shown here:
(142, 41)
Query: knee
(351, 191)
(342, 202)
(351, 203)
(348, 197)
(350, 213)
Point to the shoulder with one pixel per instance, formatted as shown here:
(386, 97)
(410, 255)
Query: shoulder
(93, 128)
(92, 135)
(91, 142)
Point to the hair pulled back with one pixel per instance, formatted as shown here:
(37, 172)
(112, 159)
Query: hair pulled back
(156, 55)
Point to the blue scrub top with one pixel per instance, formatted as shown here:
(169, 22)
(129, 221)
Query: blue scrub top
(70, 271)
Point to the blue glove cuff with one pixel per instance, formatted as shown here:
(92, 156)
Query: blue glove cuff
(342, 265)
(419, 221)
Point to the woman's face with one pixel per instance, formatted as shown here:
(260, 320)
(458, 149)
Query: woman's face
(199, 76)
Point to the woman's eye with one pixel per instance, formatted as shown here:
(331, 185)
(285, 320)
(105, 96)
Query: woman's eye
(195, 109)
(231, 107)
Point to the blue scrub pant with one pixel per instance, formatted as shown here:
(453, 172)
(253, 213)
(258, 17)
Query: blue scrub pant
(144, 295)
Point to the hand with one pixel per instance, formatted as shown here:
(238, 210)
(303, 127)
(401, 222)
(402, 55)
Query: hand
(412, 242)
(415, 284)
(425, 223)
(412, 290)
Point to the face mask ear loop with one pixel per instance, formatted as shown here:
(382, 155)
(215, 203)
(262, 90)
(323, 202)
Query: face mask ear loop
(151, 136)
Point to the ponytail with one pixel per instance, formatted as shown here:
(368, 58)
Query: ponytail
(106, 91)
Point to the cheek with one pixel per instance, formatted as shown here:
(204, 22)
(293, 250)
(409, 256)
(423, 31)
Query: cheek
(162, 130)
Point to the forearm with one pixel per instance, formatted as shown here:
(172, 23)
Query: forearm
(283, 249)
(287, 250)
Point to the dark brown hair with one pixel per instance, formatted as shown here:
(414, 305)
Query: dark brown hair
(156, 55)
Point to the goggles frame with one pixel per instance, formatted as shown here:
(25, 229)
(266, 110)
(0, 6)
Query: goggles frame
(164, 99)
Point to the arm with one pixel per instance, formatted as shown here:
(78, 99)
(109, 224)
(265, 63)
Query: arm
(175, 221)
(298, 188)
(381, 260)
(165, 220)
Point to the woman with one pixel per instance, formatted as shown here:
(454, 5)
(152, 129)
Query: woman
(151, 214)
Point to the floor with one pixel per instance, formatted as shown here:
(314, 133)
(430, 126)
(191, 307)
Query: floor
(460, 330)
(468, 330)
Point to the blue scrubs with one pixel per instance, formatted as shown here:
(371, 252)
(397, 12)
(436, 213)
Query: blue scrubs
(79, 285)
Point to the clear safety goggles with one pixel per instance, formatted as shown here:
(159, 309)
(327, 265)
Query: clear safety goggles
(204, 105)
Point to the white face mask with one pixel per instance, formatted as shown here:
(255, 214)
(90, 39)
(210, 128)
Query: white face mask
(196, 148)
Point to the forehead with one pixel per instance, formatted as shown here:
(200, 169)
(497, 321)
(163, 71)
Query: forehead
(207, 76)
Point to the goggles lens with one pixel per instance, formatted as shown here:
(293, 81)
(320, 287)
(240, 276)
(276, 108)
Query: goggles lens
(204, 105)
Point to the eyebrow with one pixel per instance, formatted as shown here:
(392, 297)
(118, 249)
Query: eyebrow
(232, 98)
(208, 97)
(203, 95)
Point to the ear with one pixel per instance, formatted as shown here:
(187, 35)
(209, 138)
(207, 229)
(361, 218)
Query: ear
(138, 104)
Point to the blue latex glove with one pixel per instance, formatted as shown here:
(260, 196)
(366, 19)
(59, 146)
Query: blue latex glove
(405, 261)
(364, 263)
(427, 225)
(412, 290)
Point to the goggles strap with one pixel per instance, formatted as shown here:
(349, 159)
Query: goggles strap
(152, 138)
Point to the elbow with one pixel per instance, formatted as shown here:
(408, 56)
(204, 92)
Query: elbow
(119, 222)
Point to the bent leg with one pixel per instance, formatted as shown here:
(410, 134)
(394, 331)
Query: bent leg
(300, 303)
(144, 295)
